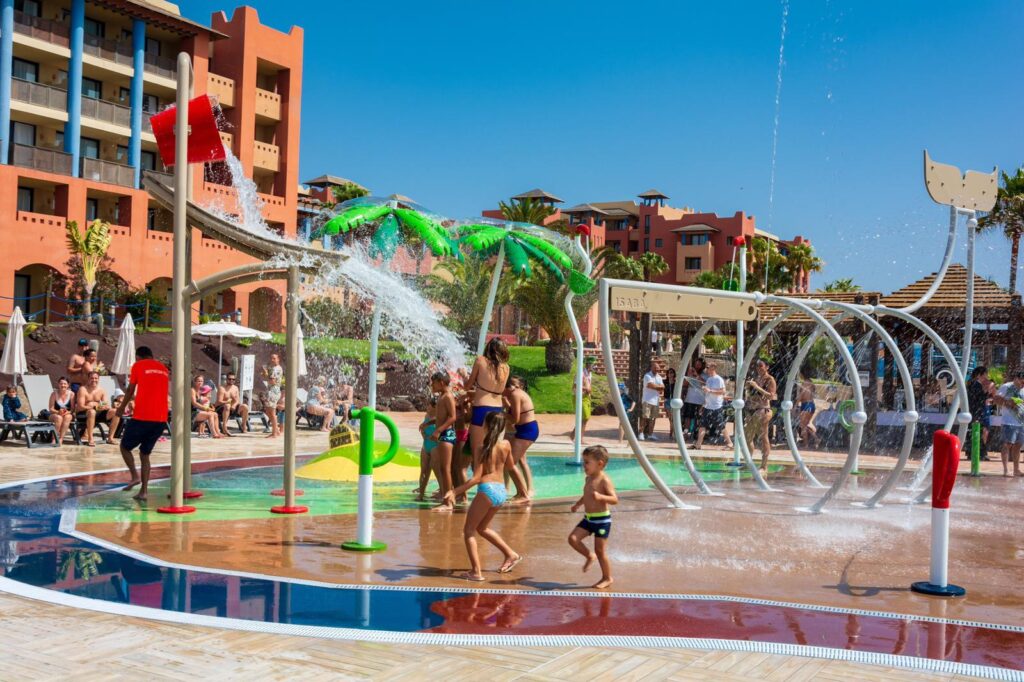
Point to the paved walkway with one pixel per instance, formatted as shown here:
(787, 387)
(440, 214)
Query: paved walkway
(42, 641)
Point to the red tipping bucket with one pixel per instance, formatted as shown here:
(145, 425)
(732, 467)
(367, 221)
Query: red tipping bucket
(204, 143)
(946, 459)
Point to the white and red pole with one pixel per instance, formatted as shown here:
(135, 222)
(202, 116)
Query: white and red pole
(946, 459)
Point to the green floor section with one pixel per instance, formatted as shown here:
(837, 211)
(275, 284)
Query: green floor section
(245, 493)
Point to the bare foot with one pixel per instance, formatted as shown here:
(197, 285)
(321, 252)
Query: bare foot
(520, 500)
(141, 497)
(444, 508)
(589, 562)
(603, 583)
(132, 483)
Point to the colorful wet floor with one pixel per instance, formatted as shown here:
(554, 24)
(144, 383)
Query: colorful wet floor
(36, 551)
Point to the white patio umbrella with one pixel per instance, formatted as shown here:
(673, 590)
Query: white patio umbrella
(223, 329)
(124, 357)
(13, 360)
(301, 367)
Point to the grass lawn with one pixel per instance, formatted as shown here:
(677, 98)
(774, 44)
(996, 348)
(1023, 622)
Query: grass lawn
(347, 349)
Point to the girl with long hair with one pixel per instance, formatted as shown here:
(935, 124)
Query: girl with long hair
(488, 477)
(487, 384)
(524, 420)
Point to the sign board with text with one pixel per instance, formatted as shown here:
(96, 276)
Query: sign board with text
(682, 304)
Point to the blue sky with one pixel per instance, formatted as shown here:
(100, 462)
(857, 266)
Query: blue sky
(459, 104)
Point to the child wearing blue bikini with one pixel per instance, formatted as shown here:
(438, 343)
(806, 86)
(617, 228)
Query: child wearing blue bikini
(527, 431)
(443, 436)
(598, 494)
(427, 428)
(488, 477)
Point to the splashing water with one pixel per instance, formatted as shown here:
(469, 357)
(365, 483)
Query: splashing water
(406, 316)
(249, 214)
(775, 127)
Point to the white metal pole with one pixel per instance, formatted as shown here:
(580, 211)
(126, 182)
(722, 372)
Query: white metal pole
(371, 391)
(364, 533)
(491, 295)
(939, 571)
(291, 381)
(577, 442)
(738, 387)
(180, 307)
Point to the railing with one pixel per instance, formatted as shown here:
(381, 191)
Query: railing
(160, 66)
(227, 139)
(268, 104)
(166, 178)
(108, 171)
(221, 87)
(147, 125)
(40, 94)
(102, 110)
(49, 160)
(53, 32)
(111, 50)
(41, 219)
(266, 156)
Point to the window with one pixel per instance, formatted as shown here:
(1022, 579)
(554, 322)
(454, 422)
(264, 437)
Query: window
(92, 209)
(29, 7)
(61, 79)
(122, 154)
(658, 243)
(698, 239)
(90, 148)
(26, 198)
(58, 139)
(153, 46)
(25, 70)
(23, 133)
(91, 88)
(148, 161)
(95, 28)
(692, 264)
(617, 246)
(729, 241)
(151, 219)
(124, 96)
(150, 104)
(647, 244)
(647, 222)
(22, 289)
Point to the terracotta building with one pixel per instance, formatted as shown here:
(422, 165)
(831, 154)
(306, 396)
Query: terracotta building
(78, 83)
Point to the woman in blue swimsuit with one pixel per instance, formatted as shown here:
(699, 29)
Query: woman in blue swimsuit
(521, 413)
(489, 477)
(487, 384)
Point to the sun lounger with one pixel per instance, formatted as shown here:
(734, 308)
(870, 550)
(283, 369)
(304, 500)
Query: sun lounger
(37, 392)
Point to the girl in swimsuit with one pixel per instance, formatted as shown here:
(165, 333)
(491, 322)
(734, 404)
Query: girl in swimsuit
(427, 428)
(489, 476)
(521, 412)
(62, 408)
(487, 383)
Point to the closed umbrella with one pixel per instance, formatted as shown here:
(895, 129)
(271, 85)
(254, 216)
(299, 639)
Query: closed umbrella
(125, 355)
(222, 329)
(13, 360)
(301, 360)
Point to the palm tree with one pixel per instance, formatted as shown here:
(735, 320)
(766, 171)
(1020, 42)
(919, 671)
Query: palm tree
(531, 211)
(1008, 213)
(764, 255)
(462, 287)
(841, 285)
(522, 245)
(348, 190)
(387, 220)
(90, 248)
(801, 260)
(542, 297)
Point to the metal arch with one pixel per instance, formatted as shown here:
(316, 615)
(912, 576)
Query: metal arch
(684, 362)
(620, 409)
(858, 395)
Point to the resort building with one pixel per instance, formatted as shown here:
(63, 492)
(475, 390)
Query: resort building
(691, 242)
(79, 81)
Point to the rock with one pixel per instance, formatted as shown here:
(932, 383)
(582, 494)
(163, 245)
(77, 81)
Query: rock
(54, 358)
(44, 335)
(599, 410)
(402, 405)
(388, 357)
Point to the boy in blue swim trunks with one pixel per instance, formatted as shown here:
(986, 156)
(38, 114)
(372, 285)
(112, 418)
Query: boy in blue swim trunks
(598, 494)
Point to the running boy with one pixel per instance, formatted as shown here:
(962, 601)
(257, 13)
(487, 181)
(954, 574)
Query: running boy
(598, 493)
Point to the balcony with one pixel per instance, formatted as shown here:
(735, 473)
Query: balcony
(39, 94)
(705, 252)
(222, 88)
(111, 50)
(52, 32)
(49, 160)
(157, 65)
(41, 219)
(108, 112)
(228, 139)
(268, 104)
(266, 156)
(165, 178)
(108, 171)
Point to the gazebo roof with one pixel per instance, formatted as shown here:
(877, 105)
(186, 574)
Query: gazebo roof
(538, 194)
(653, 194)
(585, 208)
(952, 292)
(330, 181)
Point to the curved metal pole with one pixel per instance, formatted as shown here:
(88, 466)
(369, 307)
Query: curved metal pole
(946, 259)
(676, 403)
(491, 295)
(859, 416)
(620, 409)
(737, 425)
(577, 441)
(786, 405)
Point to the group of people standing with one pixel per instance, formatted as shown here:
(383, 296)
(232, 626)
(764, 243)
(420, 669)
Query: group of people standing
(985, 399)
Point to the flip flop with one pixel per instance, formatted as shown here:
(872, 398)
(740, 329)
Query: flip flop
(508, 568)
(466, 575)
